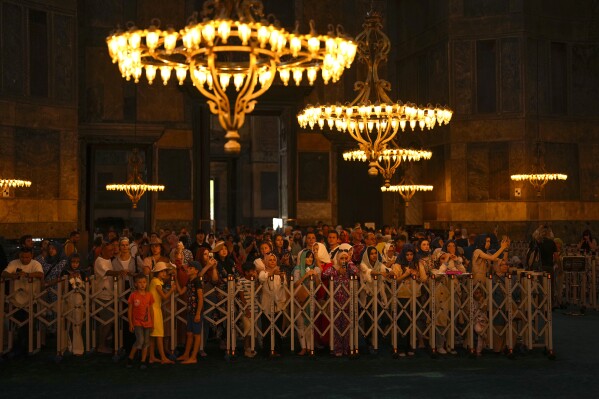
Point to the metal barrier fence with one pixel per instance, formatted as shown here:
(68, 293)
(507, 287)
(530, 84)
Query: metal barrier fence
(577, 281)
(448, 311)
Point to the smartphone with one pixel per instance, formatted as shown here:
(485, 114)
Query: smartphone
(210, 255)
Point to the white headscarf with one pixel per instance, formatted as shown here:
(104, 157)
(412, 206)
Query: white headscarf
(342, 247)
(386, 258)
(322, 253)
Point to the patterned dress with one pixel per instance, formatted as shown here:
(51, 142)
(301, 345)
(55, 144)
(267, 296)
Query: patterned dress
(341, 306)
(52, 269)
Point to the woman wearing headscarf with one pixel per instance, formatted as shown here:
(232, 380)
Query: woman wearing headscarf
(323, 260)
(308, 267)
(449, 260)
(406, 269)
(481, 259)
(424, 256)
(340, 273)
(52, 262)
(388, 254)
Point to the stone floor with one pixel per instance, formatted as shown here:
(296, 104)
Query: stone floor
(572, 374)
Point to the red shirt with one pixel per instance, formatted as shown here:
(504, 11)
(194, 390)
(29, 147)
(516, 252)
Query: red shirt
(140, 303)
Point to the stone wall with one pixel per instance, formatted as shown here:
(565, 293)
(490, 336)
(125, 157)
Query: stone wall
(39, 144)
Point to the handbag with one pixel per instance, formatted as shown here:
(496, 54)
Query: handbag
(301, 294)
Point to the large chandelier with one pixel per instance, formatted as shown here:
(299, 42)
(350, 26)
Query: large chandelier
(406, 188)
(231, 56)
(538, 176)
(134, 187)
(13, 183)
(388, 160)
(372, 119)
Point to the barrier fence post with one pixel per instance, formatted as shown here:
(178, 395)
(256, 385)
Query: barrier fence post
(356, 318)
(529, 318)
(510, 315)
(87, 314)
(59, 317)
(173, 317)
(394, 317)
(413, 329)
(433, 310)
(271, 318)
(452, 305)
(253, 313)
(352, 311)
(549, 327)
(30, 315)
(332, 315)
(375, 314)
(471, 315)
(2, 313)
(312, 317)
(594, 282)
(490, 328)
(115, 306)
(231, 343)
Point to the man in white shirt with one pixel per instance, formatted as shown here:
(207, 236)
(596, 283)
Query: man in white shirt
(27, 274)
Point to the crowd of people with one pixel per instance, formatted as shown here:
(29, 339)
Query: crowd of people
(145, 263)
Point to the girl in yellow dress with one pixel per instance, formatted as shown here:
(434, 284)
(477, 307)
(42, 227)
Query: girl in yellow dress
(157, 334)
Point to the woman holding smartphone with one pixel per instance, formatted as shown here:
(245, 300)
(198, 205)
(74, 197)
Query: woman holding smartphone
(340, 273)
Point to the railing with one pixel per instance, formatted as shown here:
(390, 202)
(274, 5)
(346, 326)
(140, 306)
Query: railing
(440, 311)
(578, 285)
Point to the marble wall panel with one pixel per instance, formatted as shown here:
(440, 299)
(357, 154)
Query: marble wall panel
(585, 78)
(463, 76)
(511, 81)
(308, 213)
(438, 67)
(63, 44)
(478, 172)
(158, 103)
(434, 174)
(175, 172)
(589, 172)
(13, 71)
(457, 167)
(265, 138)
(479, 8)
(173, 210)
(103, 93)
(7, 152)
(37, 158)
(69, 165)
(562, 158)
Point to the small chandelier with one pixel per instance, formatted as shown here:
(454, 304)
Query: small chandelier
(135, 187)
(232, 57)
(13, 183)
(388, 160)
(538, 176)
(406, 188)
(372, 119)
